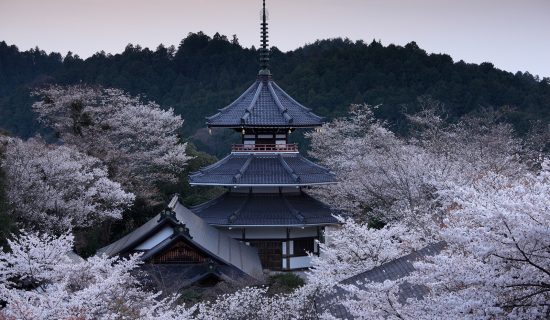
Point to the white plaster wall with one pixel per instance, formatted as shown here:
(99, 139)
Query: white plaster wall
(265, 233)
(303, 233)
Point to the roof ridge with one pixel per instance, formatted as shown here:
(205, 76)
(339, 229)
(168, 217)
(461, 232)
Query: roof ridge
(250, 107)
(242, 170)
(234, 101)
(236, 213)
(431, 249)
(282, 109)
(297, 213)
(289, 169)
(309, 110)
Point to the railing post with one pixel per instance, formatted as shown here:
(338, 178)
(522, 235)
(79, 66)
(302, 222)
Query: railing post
(290, 147)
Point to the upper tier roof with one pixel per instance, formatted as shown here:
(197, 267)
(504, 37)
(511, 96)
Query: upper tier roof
(271, 169)
(264, 105)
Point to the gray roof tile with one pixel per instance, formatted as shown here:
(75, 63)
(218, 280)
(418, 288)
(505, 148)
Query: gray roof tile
(264, 104)
(393, 270)
(249, 209)
(249, 169)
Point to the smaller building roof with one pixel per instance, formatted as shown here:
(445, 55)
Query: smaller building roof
(392, 270)
(264, 105)
(263, 169)
(193, 229)
(236, 209)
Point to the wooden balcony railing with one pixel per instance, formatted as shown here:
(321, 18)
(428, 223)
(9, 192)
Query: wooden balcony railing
(293, 147)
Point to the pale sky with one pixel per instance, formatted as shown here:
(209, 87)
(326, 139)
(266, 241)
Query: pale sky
(512, 34)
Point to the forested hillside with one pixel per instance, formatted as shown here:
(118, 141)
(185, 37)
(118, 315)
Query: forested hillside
(204, 74)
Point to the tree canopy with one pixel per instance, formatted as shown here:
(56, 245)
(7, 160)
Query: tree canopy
(204, 74)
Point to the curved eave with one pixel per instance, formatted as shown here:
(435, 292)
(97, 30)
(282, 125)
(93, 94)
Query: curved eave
(257, 126)
(277, 109)
(295, 210)
(262, 185)
(276, 225)
(263, 169)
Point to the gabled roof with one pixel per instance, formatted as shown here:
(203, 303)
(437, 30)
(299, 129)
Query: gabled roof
(192, 228)
(265, 209)
(264, 104)
(393, 270)
(272, 169)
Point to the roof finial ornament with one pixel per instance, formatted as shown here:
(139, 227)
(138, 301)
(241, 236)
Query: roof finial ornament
(264, 51)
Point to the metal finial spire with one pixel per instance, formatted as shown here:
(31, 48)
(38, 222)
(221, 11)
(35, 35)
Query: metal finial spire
(264, 51)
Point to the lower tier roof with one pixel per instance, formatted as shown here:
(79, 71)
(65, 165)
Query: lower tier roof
(272, 169)
(234, 209)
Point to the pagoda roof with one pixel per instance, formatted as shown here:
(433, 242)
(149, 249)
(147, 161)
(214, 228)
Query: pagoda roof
(263, 169)
(330, 301)
(265, 209)
(188, 226)
(264, 105)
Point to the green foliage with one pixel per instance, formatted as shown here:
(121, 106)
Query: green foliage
(285, 282)
(204, 74)
(195, 195)
(90, 239)
(7, 225)
(190, 296)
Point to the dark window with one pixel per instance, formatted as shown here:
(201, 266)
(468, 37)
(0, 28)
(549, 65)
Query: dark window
(270, 253)
(303, 246)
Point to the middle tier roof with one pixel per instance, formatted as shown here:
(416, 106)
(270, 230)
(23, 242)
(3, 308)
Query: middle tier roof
(253, 169)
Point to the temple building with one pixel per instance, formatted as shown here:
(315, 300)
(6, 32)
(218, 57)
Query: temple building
(265, 176)
(179, 249)
(264, 220)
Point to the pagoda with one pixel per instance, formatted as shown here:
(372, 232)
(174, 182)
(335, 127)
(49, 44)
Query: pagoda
(265, 205)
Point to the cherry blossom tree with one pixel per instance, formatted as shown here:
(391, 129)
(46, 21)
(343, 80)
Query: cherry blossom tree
(471, 183)
(391, 178)
(497, 261)
(56, 188)
(40, 280)
(381, 176)
(491, 210)
(355, 247)
(137, 140)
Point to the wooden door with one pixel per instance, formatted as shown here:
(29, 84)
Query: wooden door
(271, 253)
